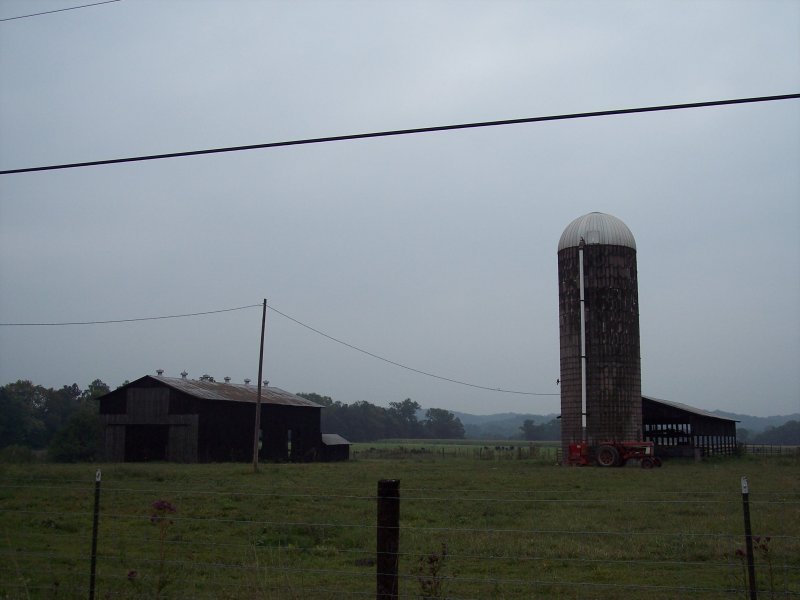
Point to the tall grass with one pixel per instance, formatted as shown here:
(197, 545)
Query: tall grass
(511, 529)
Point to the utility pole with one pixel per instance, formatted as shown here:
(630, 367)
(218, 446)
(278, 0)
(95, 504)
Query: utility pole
(258, 394)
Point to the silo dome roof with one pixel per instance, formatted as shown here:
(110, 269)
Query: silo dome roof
(597, 228)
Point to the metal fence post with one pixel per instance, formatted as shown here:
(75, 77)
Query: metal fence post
(748, 539)
(388, 539)
(95, 524)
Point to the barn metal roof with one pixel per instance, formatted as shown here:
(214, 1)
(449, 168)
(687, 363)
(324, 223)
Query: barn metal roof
(334, 439)
(233, 392)
(597, 228)
(687, 408)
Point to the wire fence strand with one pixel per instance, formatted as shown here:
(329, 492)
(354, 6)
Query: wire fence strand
(300, 540)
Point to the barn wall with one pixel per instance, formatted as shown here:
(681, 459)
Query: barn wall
(146, 406)
(226, 430)
(182, 437)
(183, 440)
(185, 428)
(306, 438)
(113, 440)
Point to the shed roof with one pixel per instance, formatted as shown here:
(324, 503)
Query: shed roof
(687, 408)
(334, 439)
(231, 392)
(597, 228)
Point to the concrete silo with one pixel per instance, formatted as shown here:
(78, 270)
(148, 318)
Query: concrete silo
(598, 306)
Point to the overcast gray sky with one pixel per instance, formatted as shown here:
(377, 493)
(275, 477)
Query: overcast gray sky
(437, 251)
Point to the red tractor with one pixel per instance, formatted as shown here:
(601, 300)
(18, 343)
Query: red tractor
(613, 454)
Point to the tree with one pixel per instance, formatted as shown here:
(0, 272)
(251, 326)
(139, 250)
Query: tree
(57, 408)
(365, 422)
(442, 424)
(35, 416)
(786, 434)
(79, 439)
(96, 389)
(546, 431)
(323, 400)
(404, 419)
(528, 429)
(333, 418)
(21, 407)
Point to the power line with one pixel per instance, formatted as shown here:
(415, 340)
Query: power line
(402, 366)
(317, 331)
(357, 136)
(197, 314)
(49, 12)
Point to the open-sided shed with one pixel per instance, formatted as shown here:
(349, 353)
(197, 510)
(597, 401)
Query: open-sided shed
(187, 420)
(680, 430)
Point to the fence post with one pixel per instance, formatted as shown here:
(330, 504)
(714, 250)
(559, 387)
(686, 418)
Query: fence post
(95, 524)
(388, 542)
(748, 539)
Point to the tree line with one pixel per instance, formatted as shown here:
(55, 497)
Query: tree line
(365, 422)
(787, 434)
(550, 431)
(63, 422)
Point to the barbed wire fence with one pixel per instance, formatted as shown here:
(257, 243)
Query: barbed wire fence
(166, 541)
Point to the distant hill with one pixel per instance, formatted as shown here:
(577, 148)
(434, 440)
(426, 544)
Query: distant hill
(502, 426)
(757, 424)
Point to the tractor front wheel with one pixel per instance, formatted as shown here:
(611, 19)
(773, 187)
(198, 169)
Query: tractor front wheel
(607, 456)
(647, 463)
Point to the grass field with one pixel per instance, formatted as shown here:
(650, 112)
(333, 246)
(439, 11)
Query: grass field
(486, 525)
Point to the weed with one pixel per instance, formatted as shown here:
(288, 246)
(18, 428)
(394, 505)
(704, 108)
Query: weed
(762, 545)
(161, 508)
(429, 574)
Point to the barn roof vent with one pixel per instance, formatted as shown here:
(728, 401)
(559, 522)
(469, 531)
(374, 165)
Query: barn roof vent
(183, 374)
(266, 383)
(247, 381)
(160, 372)
(227, 379)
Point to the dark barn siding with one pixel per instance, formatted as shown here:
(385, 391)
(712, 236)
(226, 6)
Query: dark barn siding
(277, 421)
(149, 420)
(138, 426)
(226, 430)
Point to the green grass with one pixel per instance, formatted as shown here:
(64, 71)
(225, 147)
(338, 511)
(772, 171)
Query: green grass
(478, 449)
(513, 527)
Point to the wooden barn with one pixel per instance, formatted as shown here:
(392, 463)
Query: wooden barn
(187, 420)
(680, 430)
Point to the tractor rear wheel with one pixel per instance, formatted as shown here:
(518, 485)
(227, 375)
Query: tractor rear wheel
(647, 463)
(607, 456)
